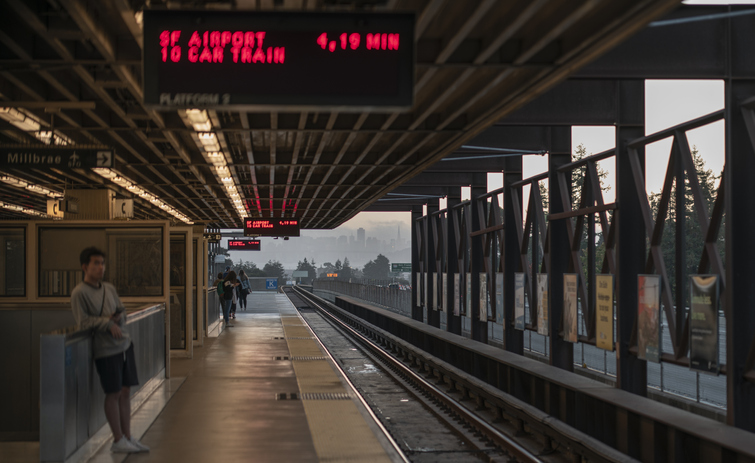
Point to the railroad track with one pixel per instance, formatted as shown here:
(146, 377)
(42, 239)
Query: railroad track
(485, 414)
(480, 440)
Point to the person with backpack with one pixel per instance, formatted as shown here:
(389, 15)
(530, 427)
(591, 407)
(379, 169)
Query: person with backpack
(244, 289)
(227, 286)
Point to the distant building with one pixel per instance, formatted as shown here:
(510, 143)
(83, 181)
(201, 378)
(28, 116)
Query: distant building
(361, 237)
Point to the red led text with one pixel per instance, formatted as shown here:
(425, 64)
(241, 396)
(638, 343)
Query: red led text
(353, 41)
(221, 46)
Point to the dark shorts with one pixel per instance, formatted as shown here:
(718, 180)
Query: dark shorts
(117, 371)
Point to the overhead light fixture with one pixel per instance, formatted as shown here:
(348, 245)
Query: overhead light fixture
(20, 183)
(24, 210)
(122, 181)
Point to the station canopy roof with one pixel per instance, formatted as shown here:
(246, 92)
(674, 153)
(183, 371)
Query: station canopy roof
(71, 74)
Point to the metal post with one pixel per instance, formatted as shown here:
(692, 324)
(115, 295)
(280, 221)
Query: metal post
(561, 352)
(416, 309)
(631, 372)
(479, 322)
(433, 316)
(453, 322)
(513, 339)
(740, 253)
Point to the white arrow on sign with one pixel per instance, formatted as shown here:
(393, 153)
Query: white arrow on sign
(104, 159)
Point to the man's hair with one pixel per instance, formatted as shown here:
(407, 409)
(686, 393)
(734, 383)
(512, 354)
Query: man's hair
(227, 267)
(86, 254)
(220, 275)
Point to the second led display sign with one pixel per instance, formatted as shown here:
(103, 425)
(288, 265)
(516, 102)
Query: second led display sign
(217, 59)
(271, 227)
(244, 245)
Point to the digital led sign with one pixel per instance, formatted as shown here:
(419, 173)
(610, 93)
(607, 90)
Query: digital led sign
(261, 60)
(271, 227)
(244, 245)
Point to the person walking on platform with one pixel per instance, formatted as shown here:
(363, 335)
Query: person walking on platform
(229, 283)
(243, 289)
(96, 306)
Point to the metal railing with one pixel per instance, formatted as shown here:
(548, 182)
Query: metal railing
(392, 298)
(71, 397)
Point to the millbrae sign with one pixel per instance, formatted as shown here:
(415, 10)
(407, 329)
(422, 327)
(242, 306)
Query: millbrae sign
(59, 158)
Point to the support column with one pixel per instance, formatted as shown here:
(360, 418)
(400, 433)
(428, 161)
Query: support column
(739, 291)
(479, 322)
(416, 257)
(513, 340)
(453, 322)
(631, 372)
(433, 316)
(561, 352)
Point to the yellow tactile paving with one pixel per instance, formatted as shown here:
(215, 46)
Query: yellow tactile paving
(339, 431)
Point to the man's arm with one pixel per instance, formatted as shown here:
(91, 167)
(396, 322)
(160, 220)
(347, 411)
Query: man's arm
(84, 319)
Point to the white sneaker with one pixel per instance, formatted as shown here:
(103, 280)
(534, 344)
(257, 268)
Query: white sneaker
(135, 442)
(123, 446)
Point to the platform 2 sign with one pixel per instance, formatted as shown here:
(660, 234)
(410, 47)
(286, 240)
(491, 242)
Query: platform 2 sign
(271, 227)
(31, 157)
(216, 59)
(244, 245)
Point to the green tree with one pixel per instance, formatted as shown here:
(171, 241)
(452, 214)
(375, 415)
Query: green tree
(694, 240)
(273, 268)
(250, 269)
(309, 267)
(346, 271)
(377, 269)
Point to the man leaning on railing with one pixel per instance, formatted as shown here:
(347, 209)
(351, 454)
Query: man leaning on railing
(96, 305)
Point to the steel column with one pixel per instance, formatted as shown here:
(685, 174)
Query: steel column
(513, 339)
(561, 352)
(479, 322)
(631, 372)
(433, 316)
(740, 253)
(416, 257)
(453, 322)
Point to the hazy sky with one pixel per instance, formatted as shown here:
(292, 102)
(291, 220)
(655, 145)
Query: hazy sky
(667, 103)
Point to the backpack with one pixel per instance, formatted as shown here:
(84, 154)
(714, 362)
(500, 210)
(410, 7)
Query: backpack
(220, 288)
(228, 295)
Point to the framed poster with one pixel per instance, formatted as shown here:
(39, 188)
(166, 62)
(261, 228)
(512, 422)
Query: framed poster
(570, 307)
(444, 292)
(648, 317)
(425, 290)
(468, 294)
(484, 298)
(457, 294)
(418, 289)
(499, 298)
(542, 304)
(519, 281)
(435, 291)
(604, 311)
(703, 324)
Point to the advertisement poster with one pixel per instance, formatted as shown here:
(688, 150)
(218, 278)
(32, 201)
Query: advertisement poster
(435, 291)
(604, 311)
(468, 299)
(570, 307)
(648, 317)
(484, 298)
(519, 280)
(425, 289)
(444, 292)
(418, 290)
(457, 294)
(703, 324)
(499, 298)
(542, 304)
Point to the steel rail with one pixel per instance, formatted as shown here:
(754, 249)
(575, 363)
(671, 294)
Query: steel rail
(505, 443)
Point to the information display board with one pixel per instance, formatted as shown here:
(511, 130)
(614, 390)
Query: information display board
(271, 227)
(265, 60)
(604, 311)
(244, 245)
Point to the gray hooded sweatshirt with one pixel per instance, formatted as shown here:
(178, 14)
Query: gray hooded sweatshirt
(92, 308)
